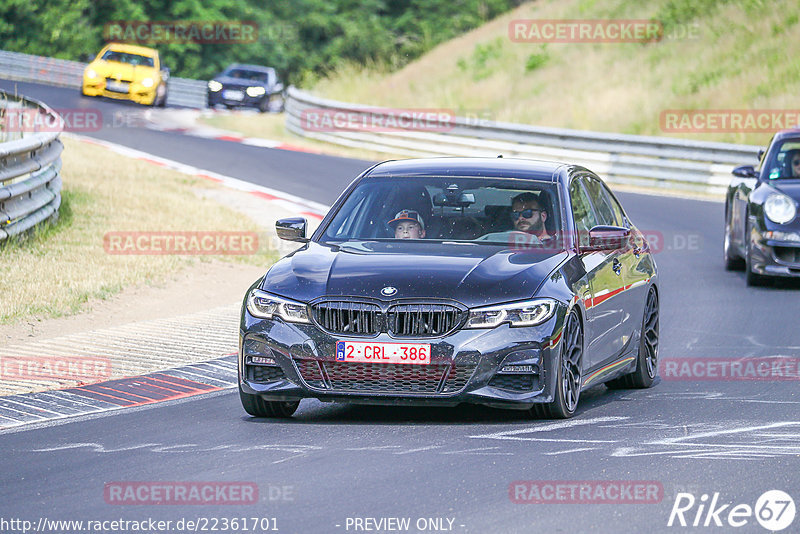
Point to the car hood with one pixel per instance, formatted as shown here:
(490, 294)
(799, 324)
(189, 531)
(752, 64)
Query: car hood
(123, 71)
(471, 274)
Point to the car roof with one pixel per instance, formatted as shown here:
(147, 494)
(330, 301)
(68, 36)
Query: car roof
(249, 67)
(784, 134)
(133, 49)
(529, 169)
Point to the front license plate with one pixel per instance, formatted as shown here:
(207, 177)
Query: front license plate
(408, 353)
(117, 87)
(232, 95)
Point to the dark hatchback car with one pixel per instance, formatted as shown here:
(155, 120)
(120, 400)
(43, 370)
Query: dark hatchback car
(245, 86)
(762, 227)
(470, 309)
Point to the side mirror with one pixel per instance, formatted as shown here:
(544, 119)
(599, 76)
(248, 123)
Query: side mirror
(292, 229)
(165, 73)
(761, 152)
(745, 171)
(607, 238)
(277, 88)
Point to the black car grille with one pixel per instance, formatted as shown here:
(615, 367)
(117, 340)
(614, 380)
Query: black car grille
(355, 318)
(520, 382)
(352, 377)
(788, 254)
(400, 320)
(260, 373)
(416, 320)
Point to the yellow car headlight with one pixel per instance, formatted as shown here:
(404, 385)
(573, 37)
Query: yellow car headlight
(91, 74)
(147, 82)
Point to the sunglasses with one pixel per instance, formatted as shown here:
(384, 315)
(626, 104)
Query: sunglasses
(526, 214)
(796, 162)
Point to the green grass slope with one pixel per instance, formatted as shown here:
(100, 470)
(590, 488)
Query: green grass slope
(739, 54)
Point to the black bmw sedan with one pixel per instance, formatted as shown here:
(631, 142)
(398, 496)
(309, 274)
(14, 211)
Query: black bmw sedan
(245, 86)
(762, 227)
(502, 282)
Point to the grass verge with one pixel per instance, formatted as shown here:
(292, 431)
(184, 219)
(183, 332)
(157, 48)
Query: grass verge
(58, 268)
(739, 54)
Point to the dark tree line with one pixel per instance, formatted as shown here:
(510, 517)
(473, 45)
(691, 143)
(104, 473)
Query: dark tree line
(298, 37)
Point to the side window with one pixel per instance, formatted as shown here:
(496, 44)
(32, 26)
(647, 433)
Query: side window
(619, 213)
(581, 211)
(602, 204)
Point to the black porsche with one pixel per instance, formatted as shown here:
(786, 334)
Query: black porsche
(502, 282)
(762, 227)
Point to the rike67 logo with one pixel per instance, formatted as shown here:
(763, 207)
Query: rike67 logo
(774, 510)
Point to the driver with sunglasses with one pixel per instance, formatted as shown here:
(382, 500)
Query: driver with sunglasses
(528, 215)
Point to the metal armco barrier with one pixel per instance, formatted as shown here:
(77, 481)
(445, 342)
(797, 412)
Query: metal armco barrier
(626, 159)
(30, 165)
(51, 71)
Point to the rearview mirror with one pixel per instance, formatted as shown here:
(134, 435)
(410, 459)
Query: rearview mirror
(461, 201)
(745, 171)
(292, 229)
(607, 238)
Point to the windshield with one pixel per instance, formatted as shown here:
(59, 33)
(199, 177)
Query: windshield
(125, 57)
(250, 75)
(785, 163)
(481, 211)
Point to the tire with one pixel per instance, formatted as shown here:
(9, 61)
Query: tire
(752, 278)
(258, 407)
(568, 383)
(647, 358)
(733, 262)
(263, 104)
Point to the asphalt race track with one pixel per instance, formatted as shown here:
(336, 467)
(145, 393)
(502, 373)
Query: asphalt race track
(332, 462)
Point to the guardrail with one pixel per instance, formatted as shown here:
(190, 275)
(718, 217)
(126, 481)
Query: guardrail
(626, 159)
(65, 73)
(30, 164)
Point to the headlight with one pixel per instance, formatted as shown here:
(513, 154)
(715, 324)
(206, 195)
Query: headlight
(214, 86)
(779, 208)
(147, 82)
(91, 74)
(255, 91)
(264, 306)
(528, 313)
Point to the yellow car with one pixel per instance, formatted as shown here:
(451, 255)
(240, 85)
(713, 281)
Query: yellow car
(127, 72)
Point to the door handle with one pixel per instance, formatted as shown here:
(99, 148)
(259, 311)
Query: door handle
(616, 266)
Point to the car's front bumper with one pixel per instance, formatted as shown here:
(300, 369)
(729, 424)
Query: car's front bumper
(215, 98)
(135, 91)
(465, 367)
(774, 258)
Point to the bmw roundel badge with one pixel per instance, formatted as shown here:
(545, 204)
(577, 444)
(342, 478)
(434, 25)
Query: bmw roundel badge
(388, 291)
